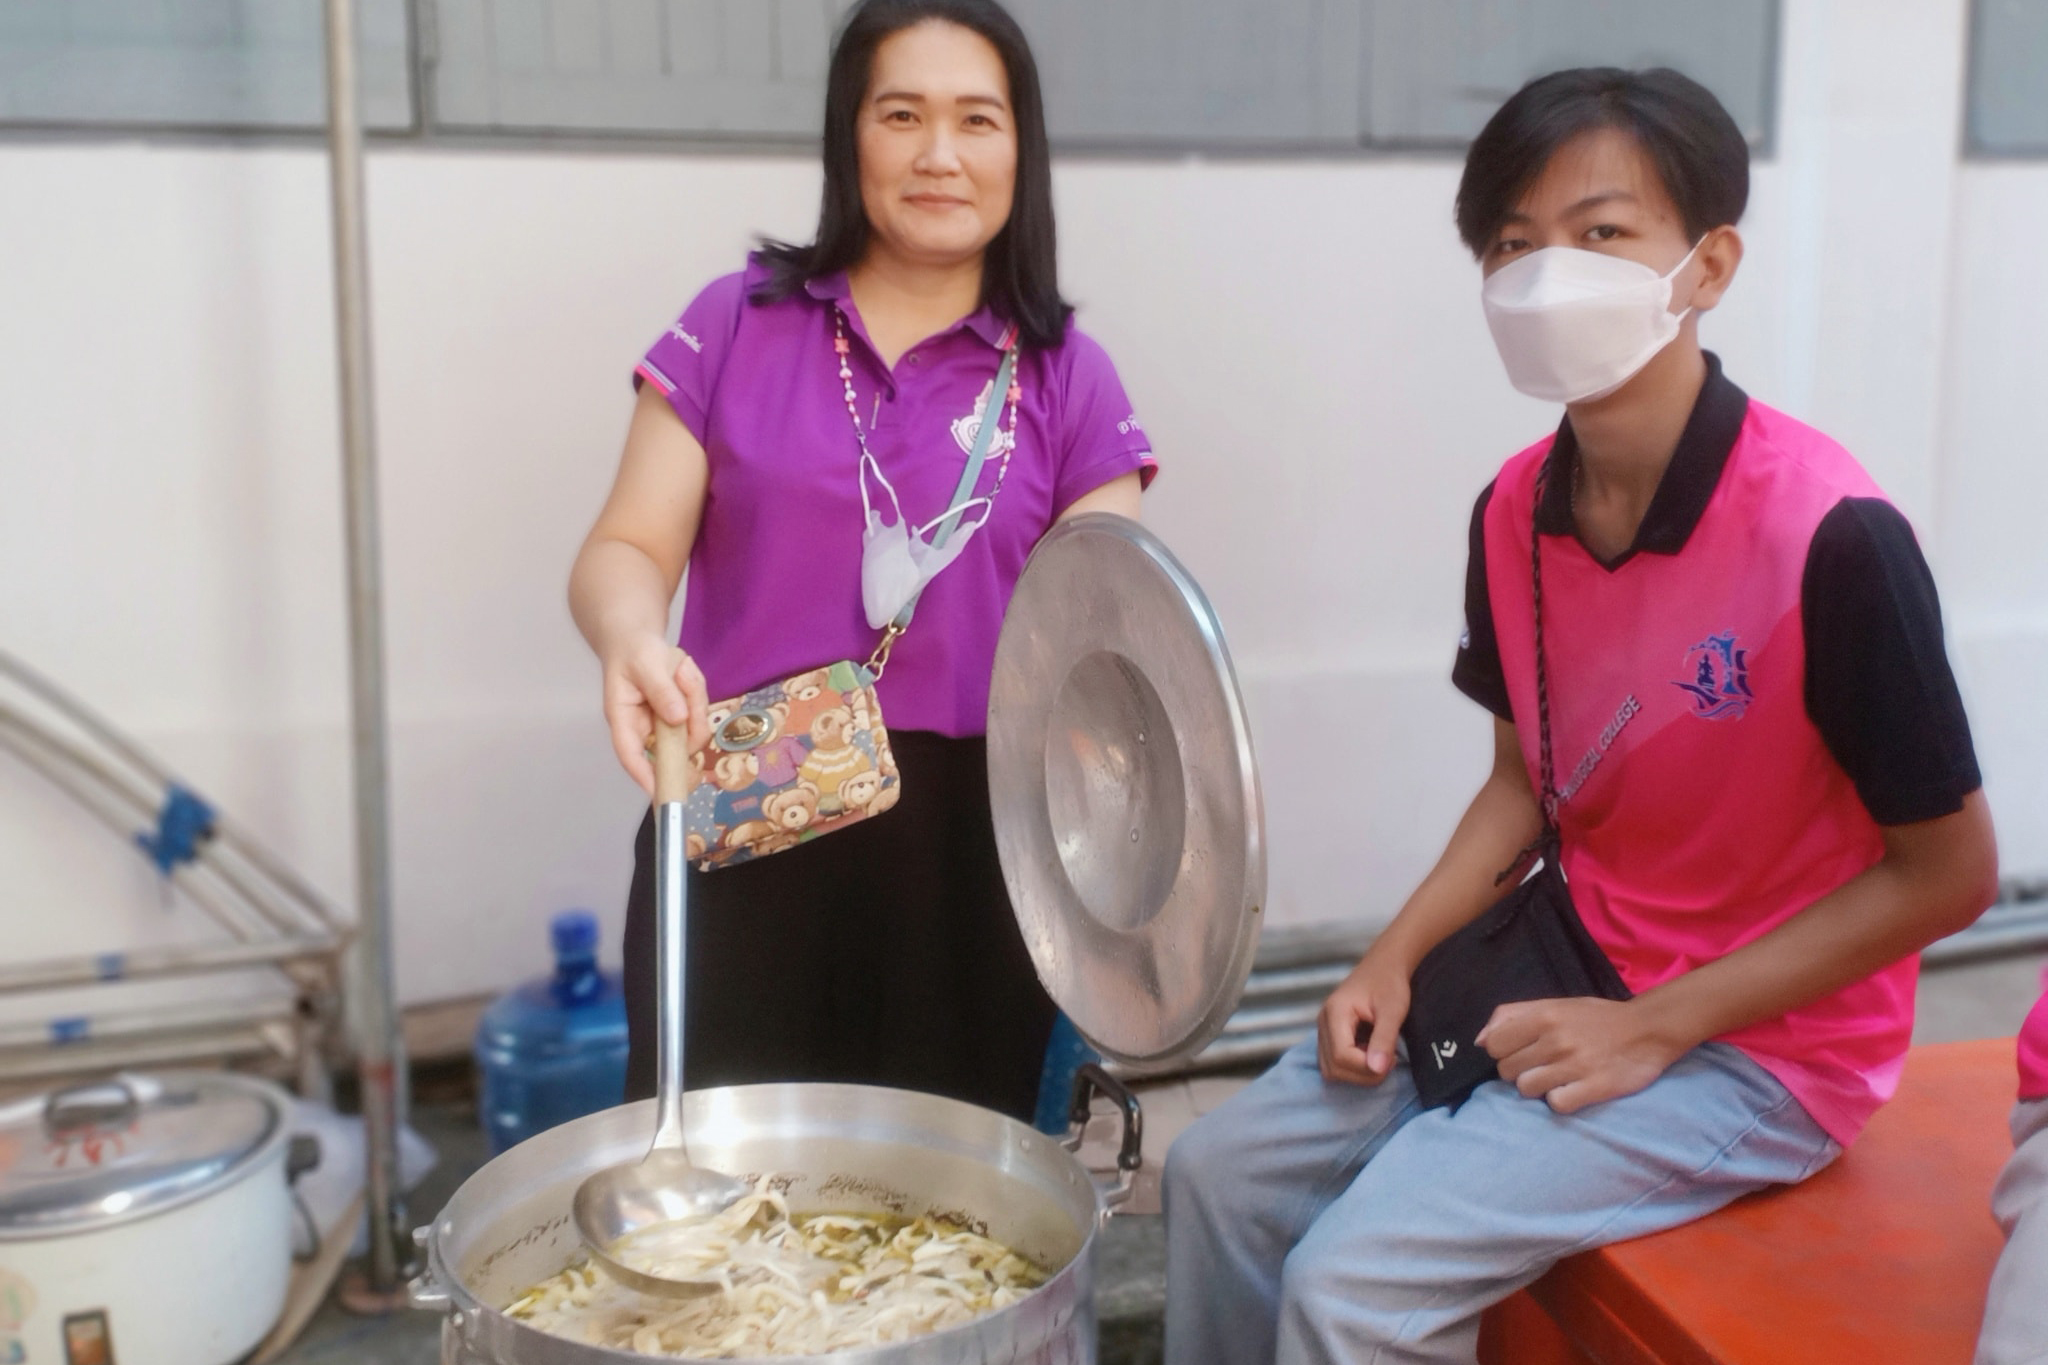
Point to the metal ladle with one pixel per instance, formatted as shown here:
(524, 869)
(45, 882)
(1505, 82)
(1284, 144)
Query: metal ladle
(664, 1186)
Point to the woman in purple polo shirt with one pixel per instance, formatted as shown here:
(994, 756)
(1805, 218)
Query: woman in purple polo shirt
(884, 952)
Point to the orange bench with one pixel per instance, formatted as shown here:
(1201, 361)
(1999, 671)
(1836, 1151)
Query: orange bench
(1881, 1259)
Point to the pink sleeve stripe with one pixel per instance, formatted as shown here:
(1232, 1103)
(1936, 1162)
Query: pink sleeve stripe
(645, 369)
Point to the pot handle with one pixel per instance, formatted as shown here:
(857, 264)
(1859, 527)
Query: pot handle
(424, 1291)
(1091, 1080)
(97, 1104)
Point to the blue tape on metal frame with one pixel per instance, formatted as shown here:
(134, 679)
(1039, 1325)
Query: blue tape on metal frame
(185, 822)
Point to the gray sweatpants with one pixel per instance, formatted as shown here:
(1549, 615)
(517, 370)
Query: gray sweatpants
(2016, 1313)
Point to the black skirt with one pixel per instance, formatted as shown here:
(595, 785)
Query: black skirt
(884, 953)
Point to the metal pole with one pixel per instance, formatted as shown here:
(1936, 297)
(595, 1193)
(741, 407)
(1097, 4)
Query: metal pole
(379, 1050)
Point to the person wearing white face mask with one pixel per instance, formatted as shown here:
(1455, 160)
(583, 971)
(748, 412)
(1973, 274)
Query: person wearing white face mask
(1721, 709)
(1574, 324)
(875, 425)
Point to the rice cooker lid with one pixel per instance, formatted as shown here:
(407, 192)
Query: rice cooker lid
(90, 1156)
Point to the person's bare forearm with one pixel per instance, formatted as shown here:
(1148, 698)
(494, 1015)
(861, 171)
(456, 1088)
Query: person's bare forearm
(1932, 882)
(617, 595)
(1934, 878)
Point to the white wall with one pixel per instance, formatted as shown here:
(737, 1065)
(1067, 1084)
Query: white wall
(1992, 464)
(1302, 339)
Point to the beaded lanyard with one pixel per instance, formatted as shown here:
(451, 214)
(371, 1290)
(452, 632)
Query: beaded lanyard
(969, 475)
(1015, 396)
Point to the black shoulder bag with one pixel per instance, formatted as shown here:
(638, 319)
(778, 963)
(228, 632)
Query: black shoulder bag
(1531, 945)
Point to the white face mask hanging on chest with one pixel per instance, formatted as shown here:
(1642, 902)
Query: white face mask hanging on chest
(898, 559)
(1572, 324)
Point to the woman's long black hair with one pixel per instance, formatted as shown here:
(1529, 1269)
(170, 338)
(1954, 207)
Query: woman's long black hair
(1020, 273)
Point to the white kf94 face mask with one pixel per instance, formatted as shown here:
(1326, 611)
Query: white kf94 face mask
(1573, 324)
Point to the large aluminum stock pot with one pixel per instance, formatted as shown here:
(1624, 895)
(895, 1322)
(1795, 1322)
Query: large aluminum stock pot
(840, 1147)
(1129, 824)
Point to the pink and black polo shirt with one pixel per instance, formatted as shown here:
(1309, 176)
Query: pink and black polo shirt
(1738, 703)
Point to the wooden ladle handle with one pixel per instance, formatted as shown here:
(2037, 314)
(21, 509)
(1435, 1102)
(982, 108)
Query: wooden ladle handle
(675, 767)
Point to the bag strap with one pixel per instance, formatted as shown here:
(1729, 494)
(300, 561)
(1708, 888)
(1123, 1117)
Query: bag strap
(970, 475)
(1546, 842)
(991, 418)
(1548, 797)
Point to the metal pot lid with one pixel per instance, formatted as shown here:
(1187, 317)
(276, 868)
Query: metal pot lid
(1126, 797)
(93, 1155)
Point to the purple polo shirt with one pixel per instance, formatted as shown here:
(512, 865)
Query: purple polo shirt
(774, 580)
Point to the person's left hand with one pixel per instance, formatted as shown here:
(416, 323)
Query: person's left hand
(1577, 1052)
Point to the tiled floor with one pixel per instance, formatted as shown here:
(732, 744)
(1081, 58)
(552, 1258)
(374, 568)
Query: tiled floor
(1977, 1001)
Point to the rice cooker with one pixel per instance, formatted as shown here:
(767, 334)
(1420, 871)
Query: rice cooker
(146, 1220)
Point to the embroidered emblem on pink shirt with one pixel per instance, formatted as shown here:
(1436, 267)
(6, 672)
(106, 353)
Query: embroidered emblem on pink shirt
(1720, 678)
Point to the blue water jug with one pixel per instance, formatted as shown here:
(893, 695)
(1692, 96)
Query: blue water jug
(553, 1049)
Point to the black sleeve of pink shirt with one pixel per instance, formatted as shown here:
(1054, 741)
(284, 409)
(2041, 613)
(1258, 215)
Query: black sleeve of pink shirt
(1477, 671)
(1878, 683)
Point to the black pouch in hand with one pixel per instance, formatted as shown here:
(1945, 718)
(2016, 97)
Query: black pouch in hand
(1530, 946)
